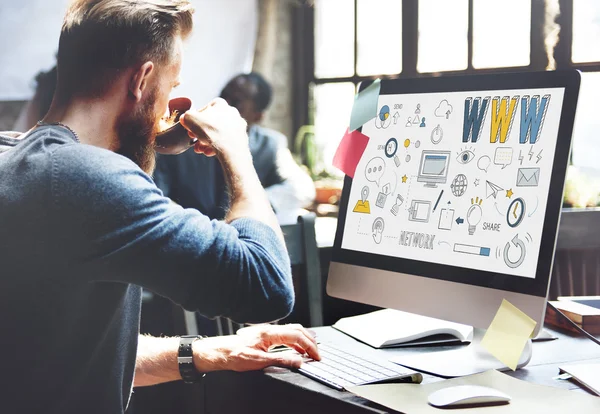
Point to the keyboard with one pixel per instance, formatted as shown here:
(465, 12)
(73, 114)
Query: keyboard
(341, 369)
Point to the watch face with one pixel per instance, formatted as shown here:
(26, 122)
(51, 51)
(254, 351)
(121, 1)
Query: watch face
(515, 212)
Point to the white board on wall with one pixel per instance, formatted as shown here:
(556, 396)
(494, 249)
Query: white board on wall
(29, 30)
(221, 46)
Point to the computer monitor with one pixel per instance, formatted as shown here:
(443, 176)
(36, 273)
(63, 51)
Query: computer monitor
(488, 232)
(433, 168)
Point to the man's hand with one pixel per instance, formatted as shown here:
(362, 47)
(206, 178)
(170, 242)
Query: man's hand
(248, 350)
(221, 131)
(219, 128)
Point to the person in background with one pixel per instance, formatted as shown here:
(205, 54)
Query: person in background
(84, 227)
(36, 108)
(287, 186)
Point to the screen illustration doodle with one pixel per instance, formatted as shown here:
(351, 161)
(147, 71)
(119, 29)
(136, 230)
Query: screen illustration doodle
(434, 167)
(362, 205)
(374, 170)
(383, 119)
(469, 166)
(378, 227)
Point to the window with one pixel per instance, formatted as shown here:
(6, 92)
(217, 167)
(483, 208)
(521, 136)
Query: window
(586, 31)
(333, 104)
(334, 43)
(586, 142)
(379, 37)
(585, 56)
(501, 33)
(356, 40)
(443, 23)
(375, 27)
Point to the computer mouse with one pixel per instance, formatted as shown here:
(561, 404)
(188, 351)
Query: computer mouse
(467, 395)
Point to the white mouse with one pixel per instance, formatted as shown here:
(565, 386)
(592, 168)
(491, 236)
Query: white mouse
(467, 395)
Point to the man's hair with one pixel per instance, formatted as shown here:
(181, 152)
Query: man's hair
(99, 38)
(44, 91)
(264, 91)
(262, 99)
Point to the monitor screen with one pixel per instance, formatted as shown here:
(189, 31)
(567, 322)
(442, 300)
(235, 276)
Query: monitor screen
(434, 164)
(457, 178)
(433, 167)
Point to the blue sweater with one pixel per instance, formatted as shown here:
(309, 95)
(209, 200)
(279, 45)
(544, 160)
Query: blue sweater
(81, 230)
(210, 196)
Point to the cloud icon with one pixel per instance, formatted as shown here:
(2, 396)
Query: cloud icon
(444, 109)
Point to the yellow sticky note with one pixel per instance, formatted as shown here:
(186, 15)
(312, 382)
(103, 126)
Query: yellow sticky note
(508, 333)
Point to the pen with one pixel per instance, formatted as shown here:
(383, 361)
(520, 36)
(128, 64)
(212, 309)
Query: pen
(438, 200)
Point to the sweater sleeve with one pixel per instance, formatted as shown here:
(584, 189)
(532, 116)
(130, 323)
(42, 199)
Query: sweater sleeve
(119, 227)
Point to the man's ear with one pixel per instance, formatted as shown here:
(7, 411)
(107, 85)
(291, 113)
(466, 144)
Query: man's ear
(139, 80)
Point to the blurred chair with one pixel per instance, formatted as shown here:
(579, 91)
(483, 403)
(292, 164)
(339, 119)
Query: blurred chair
(576, 270)
(306, 270)
(306, 267)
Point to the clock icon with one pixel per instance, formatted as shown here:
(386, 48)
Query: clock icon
(391, 146)
(516, 212)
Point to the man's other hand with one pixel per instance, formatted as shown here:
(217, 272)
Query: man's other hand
(249, 349)
(219, 128)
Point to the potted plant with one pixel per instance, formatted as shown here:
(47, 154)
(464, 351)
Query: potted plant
(328, 182)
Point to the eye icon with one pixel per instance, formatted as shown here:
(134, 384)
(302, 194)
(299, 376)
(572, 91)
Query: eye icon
(465, 157)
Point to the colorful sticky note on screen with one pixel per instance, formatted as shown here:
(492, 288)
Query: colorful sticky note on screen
(350, 151)
(508, 333)
(365, 105)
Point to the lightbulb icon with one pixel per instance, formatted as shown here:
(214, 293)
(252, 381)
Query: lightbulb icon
(474, 215)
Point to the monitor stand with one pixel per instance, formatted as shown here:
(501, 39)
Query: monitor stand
(430, 184)
(466, 360)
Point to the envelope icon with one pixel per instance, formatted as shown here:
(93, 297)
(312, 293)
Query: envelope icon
(528, 177)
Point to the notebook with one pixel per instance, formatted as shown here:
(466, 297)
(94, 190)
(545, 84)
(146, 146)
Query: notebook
(392, 328)
(586, 374)
(583, 313)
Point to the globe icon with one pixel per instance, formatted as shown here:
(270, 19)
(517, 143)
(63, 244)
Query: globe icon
(459, 185)
(384, 113)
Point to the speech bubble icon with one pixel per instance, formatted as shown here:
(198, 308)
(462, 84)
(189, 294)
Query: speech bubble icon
(484, 163)
(374, 170)
(503, 156)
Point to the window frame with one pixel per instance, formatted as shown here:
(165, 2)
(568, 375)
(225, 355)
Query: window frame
(304, 47)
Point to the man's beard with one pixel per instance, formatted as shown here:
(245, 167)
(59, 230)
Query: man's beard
(137, 133)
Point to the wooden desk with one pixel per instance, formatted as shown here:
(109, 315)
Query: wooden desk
(279, 390)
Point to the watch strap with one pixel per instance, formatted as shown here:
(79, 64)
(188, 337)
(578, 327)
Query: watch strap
(185, 360)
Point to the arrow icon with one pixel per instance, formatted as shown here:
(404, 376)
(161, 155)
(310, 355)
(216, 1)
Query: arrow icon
(517, 243)
(491, 189)
(516, 240)
(460, 220)
(396, 116)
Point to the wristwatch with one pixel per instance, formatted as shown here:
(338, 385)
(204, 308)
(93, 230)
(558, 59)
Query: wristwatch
(188, 371)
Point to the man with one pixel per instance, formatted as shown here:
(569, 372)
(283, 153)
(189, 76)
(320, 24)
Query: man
(83, 227)
(287, 185)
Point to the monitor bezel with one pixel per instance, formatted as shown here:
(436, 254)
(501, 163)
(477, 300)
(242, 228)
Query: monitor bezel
(538, 286)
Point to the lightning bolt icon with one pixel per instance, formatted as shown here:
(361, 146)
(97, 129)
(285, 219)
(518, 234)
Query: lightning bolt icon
(539, 156)
(521, 157)
(531, 153)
